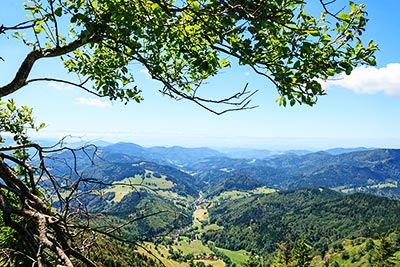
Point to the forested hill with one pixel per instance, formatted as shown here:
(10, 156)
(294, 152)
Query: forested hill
(202, 195)
(192, 170)
(176, 155)
(373, 171)
(256, 223)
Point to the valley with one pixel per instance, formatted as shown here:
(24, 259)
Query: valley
(201, 207)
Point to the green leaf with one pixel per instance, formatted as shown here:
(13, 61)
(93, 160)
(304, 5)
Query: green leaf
(130, 93)
(352, 6)
(349, 69)
(372, 61)
(11, 106)
(281, 101)
(195, 6)
(41, 126)
(58, 12)
(359, 46)
(155, 6)
(38, 29)
(306, 48)
(344, 16)
(313, 32)
(224, 63)
(325, 38)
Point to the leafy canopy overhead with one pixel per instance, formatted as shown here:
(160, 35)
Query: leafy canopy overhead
(182, 43)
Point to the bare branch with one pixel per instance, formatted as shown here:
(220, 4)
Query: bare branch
(26, 167)
(20, 26)
(325, 7)
(79, 85)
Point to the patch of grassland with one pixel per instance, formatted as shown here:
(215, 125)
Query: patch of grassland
(124, 187)
(218, 263)
(213, 227)
(385, 185)
(168, 194)
(127, 185)
(263, 190)
(196, 224)
(161, 253)
(347, 190)
(194, 247)
(201, 215)
(153, 182)
(238, 257)
(235, 194)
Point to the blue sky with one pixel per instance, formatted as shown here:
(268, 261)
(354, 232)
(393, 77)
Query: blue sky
(359, 110)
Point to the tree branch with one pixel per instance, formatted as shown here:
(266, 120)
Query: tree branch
(79, 85)
(20, 26)
(20, 79)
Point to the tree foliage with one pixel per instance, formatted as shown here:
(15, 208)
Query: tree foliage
(181, 44)
(383, 255)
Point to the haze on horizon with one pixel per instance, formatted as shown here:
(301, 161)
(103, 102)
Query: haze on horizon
(360, 110)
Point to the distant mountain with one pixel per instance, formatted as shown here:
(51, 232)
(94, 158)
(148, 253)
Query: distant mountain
(184, 156)
(340, 150)
(222, 164)
(98, 143)
(178, 156)
(130, 149)
(243, 153)
(376, 171)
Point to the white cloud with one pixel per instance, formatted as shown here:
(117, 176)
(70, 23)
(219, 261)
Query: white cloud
(370, 80)
(146, 73)
(95, 102)
(59, 86)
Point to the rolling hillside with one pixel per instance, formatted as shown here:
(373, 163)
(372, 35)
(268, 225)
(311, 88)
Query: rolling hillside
(256, 223)
(230, 207)
(375, 171)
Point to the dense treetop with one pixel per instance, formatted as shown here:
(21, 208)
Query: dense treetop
(182, 43)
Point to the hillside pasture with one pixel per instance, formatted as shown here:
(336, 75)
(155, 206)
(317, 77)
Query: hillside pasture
(148, 181)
